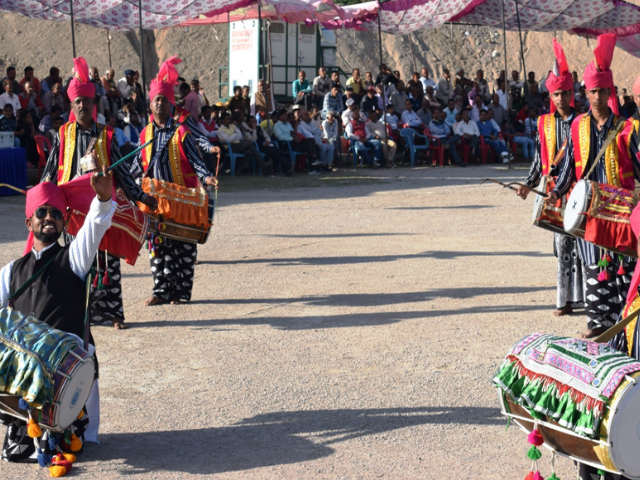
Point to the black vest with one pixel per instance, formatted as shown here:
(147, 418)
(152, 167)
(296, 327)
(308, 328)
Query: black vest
(57, 296)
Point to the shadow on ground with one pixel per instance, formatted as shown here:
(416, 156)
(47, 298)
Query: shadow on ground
(270, 439)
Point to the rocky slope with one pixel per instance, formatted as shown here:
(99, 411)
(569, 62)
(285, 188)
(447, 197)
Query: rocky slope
(204, 49)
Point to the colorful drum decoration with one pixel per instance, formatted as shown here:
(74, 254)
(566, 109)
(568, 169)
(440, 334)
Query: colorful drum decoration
(128, 229)
(600, 214)
(47, 368)
(183, 213)
(547, 214)
(582, 397)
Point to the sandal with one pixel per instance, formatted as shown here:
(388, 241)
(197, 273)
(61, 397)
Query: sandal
(566, 310)
(153, 300)
(119, 325)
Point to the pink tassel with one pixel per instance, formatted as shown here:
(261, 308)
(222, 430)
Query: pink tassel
(105, 279)
(603, 276)
(535, 438)
(534, 476)
(621, 270)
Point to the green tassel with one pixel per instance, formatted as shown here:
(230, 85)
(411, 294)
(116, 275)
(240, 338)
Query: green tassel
(100, 285)
(553, 477)
(602, 263)
(534, 454)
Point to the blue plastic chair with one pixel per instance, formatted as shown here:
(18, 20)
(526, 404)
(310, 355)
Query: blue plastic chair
(232, 159)
(409, 135)
(293, 155)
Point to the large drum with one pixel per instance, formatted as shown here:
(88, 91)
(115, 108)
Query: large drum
(128, 229)
(583, 397)
(547, 214)
(183, 213)
(47, 368)
(600, 214)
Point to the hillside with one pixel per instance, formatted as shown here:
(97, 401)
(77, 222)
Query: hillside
(204, 49)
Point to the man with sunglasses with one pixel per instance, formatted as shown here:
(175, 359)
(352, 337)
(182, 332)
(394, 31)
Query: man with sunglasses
(56, 292)
(82, 146)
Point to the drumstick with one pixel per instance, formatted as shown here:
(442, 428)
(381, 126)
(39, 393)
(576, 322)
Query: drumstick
(20, 190)
(511, 187)
(128, 155)
(618, 327)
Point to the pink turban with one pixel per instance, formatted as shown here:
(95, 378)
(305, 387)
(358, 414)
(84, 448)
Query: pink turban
(46, 193)
(165, 81)
(80, 85)
(597, 73)
(559, 78)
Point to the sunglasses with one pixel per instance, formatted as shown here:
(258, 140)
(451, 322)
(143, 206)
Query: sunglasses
(41, 213)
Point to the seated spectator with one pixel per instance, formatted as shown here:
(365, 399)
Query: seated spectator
(416, 82)
(55, 97)
(278, 161)
(262, 99)
(11, 77)
(229, 134)
(450, 112)
(8, 122)
(425, 112)
(361, 143)
(376, 131)
(441, 133)
(525, 137)
(467, 131)
(268, 122)
(246, 97)
(321, 86)
(208, 123)
(332, 102)
(48, 119)
(498, 111)
(29, 77)
(348, 93)
(397, 97)
(489, 132)
(425, 80)
(368, 80)
(30, 101)
(192, 101)
(114, 98)
(131, 122)
(54, 77)
(236, 103)
(137, 95)
(25, 131)
(330, 128)
(335, 80)
(392, 119)
(325, 150)
(415, 95)
(411, 119)
(347, 114)
(126, 84)
(301, 89)
(9, 96)
(356, 84)
(370, 102)
(249, 130)
(285, 134)
(430, 97)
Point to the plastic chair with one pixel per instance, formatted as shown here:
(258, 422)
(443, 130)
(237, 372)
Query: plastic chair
(409, 135)
(293, 155)
(232, 158)
(465, 152)
(351, 148)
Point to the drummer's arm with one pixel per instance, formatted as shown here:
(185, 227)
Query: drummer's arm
(566, 173)
(124, 179)
(84, 247)
(196, 161)
(535, 172)
(5, 278)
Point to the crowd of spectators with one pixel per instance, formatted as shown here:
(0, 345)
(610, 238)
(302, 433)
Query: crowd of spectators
(373, 121)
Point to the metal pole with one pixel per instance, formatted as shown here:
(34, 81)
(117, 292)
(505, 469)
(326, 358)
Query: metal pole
(73, 29)
(524, 67)
(143, 72)
(260, 56)
(379, 35)
(504, 38)
(109, 47)
(384, 89)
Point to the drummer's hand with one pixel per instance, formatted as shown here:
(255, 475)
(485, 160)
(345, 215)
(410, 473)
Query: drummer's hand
(213, 181)
(102, 184)
(553, 196)
(523, 191)
(150, 201)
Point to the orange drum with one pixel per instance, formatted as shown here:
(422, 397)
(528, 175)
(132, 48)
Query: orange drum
(183, 213)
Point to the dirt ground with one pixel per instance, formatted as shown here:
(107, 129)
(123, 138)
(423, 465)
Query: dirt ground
(347, 328)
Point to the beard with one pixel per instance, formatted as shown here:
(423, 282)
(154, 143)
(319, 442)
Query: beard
(47, 238)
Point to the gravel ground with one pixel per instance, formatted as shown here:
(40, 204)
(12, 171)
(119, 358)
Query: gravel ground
(346, 328)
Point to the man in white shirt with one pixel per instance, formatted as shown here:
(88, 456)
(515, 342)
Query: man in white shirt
(307, 129)
(425, 80)
(48, 282)
(375, 129)
(467, 130)
(126, 84)
(9, 96)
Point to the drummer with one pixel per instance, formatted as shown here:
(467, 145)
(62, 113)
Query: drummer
(607, 275)
(80, 145)
(174, 157)
(56, 294)
(553, 134)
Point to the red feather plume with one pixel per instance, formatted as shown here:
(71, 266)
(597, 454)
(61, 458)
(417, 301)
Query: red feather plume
(603, 52)
(81, 69)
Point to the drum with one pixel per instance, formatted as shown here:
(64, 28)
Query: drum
(47, 368)
(582, 396)
(128, 229)
(600, 214)
(183, 213)
(547, 214)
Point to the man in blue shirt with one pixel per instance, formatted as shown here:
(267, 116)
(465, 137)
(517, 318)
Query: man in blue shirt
(489, 132)
(442, 133)
(301, 89)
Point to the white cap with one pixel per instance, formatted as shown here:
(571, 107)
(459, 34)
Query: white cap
(350, 102)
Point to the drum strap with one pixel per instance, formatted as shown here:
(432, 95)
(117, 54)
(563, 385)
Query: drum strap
(613, 133)
(29, 281)
(617, 328)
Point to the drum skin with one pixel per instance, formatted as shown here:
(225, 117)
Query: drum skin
(577, 204)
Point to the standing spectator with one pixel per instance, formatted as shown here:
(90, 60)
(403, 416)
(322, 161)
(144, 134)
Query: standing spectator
(139, 101)
(482, 87)
(55, 97)
(11, 77)
(246, 98)
(192, 101)
(499, 112)
(356, 83)
(126, 84)
(392, 119)
(335, 80)
(29, 77)
(463, 84)
(9, 96)
(111, 90)
(425, 80)
(430, 96)
(196, 87)
(262, 99)
(416, 83)
(368, 80)
(385, 77)
(54, 77)
(377, 133)
(467, 131)
(235, 102)
(442, 133)
(301, 88)
(444, 90)
(360, 140)
(321, 86)
(333, 101)
(30, 101)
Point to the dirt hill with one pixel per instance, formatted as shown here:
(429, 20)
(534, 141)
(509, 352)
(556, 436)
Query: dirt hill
(204, 49)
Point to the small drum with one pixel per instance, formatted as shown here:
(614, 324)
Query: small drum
(547, 214)
(45, 367)
(128, 229)
(183, 213)
(582, 396)
(600, 214)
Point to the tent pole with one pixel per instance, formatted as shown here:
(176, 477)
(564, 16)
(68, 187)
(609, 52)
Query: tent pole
(260, 56)
(73, 29)
(384, 90)
(524, 67)
(379, 35)
(109, 46)
(504, 40)
(143, 70)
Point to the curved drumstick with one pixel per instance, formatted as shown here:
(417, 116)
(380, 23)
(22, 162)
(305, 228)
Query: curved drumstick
(20, 190)
(510, 186)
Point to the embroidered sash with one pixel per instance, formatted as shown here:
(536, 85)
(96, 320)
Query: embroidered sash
(181, 170)
(67, 134)
(548, 136)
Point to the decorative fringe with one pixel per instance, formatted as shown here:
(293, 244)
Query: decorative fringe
(33, 429)
(534, 453)
(603, 276)
(535, 438)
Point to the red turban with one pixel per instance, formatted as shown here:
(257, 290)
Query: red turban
(559, 78)
(597, 73)
(45, 193)
(165, 81)
(80, 85)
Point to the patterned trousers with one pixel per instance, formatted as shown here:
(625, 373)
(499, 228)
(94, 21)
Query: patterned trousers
(105, 304)
(570, 285)
(172, 266)
(604, 299)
